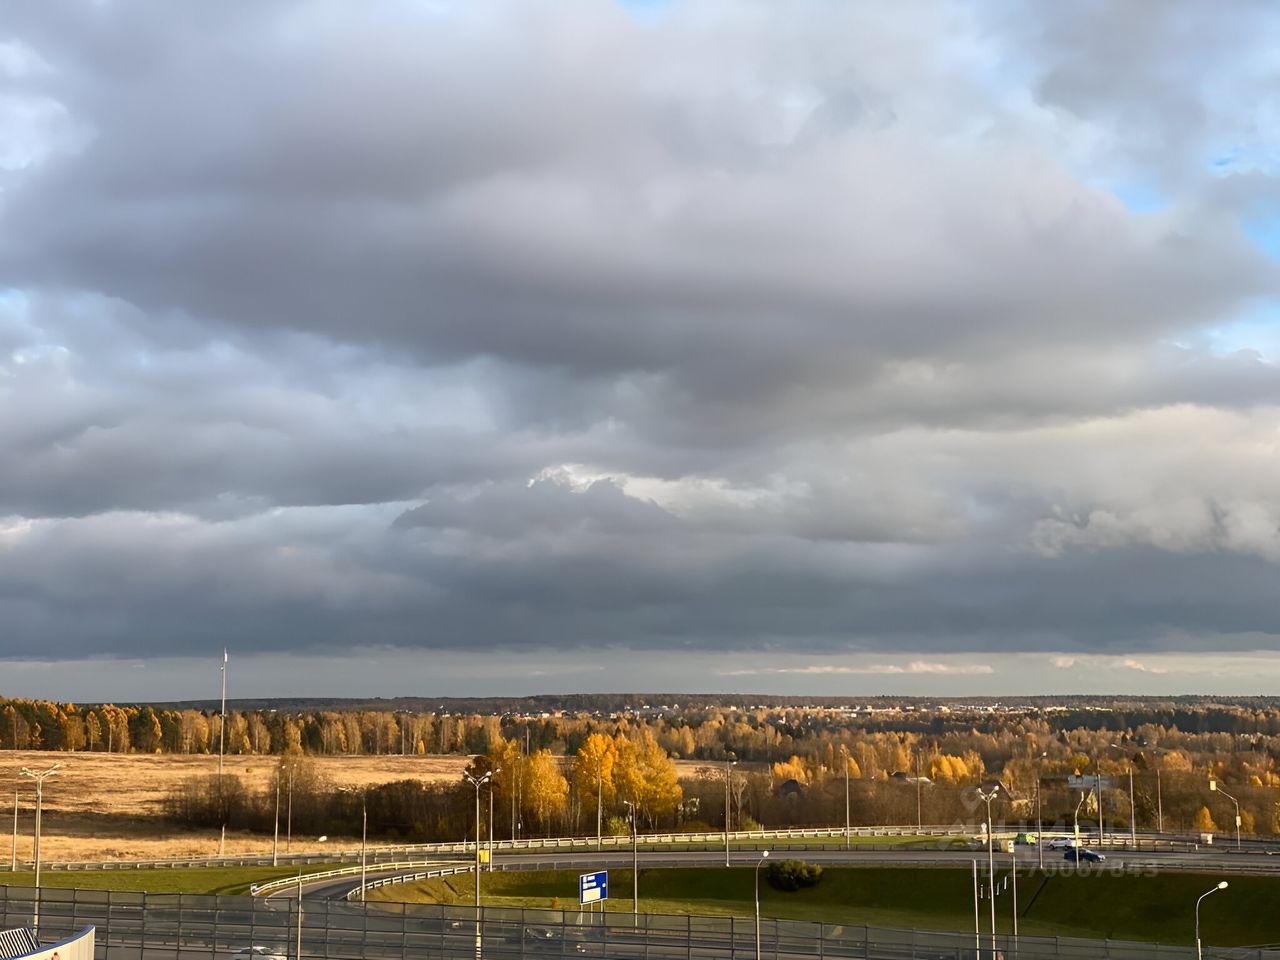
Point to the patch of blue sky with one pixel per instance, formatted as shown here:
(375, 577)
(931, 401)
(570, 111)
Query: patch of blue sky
(1265, 233)
(1257, 328)
(1141, 197)
(645, 9)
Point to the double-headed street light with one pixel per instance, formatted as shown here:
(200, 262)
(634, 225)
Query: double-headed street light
(763, 857)
(39, 776)
(987, 796)
(1222, 885)
(1213, 785)
(477, 782)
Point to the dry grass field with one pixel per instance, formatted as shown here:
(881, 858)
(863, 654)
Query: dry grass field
(107, 806)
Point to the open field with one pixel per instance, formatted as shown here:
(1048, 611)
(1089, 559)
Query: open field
(1098, 905)
(103, 806)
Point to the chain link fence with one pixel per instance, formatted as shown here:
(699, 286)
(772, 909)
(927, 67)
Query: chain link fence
(138, 926)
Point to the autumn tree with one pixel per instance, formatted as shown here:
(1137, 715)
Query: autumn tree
(545, 788)
(593, 774)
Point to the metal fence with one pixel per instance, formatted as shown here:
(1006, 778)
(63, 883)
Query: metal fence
(137, 926)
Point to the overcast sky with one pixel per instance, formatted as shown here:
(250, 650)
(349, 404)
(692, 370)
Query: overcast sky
(506, 347)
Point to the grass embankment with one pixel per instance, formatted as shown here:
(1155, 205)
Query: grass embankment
(214, 880)
(1099, 905)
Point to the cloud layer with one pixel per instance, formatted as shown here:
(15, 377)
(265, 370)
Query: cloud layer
(941, 329)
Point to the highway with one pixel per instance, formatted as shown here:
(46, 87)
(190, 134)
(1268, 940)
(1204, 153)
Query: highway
(1207, 860)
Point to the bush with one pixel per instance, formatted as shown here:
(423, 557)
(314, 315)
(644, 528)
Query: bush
(791, 875)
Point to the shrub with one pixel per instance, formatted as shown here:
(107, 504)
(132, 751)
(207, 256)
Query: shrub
(791, 875)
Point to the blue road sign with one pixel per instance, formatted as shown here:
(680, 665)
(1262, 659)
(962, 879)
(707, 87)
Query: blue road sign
(593, 887)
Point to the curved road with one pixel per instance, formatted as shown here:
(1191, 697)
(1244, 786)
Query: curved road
(1205, 859)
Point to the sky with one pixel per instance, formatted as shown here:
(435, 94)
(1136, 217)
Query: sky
(431, 348)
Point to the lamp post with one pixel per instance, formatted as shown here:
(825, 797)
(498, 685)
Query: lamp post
(364, 841)
(477, 782)
(635, 862)
(39, 776)
(13, 857)
(763, 857)
(1075, 817)
(298, 937)
(1213, 785)
(729, 764)
(493, 773)
(599, 800)
(1097, 780)
(1039, 824)
(288, 824)
(222, 742)
(845, 753)
(987, 796)
(1159, 804)
(275, 837)
(1222, 885)
(977, 945)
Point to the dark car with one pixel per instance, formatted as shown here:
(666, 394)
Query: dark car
(1083, 853)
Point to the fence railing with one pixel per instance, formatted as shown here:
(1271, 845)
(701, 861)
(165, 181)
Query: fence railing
(136, 926)
(399, 851)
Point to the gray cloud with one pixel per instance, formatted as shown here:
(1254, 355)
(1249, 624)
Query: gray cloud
(545, 325)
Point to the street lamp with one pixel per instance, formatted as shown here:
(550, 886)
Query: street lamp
(1216, 789)
(1039, 824)
(13, 857)
(298, 941)
(1075, 817)
(729, 764)
(222, 744)
(763, 857)
(1213, 785)
(844, 752)
(477, 782)
(493, 773)
(39, 776)
(1222, 885)
(635, 861)
(987, 796)
(364, 834)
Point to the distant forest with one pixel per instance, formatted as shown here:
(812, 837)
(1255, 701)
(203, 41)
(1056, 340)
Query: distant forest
(563, 757)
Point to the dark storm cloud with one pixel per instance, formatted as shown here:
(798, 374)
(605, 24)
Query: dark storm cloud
(543, 324)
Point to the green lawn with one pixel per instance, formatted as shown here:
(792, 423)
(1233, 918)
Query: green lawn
(217, 880)
(1155, 908)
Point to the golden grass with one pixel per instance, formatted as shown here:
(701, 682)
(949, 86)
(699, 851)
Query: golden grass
(107, 806)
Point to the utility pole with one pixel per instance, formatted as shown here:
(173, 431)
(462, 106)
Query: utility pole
(635, 863)
(13, 858)
(222, 746)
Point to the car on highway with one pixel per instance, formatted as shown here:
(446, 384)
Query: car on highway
(1060, 843)
(1076, 854)
(258, 953)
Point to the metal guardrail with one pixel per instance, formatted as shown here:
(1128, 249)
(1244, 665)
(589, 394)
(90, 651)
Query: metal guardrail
(260, 889)
(531, 844)
(135, 926)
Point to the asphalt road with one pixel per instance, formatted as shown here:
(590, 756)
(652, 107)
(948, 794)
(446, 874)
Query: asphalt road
(1206, 859)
